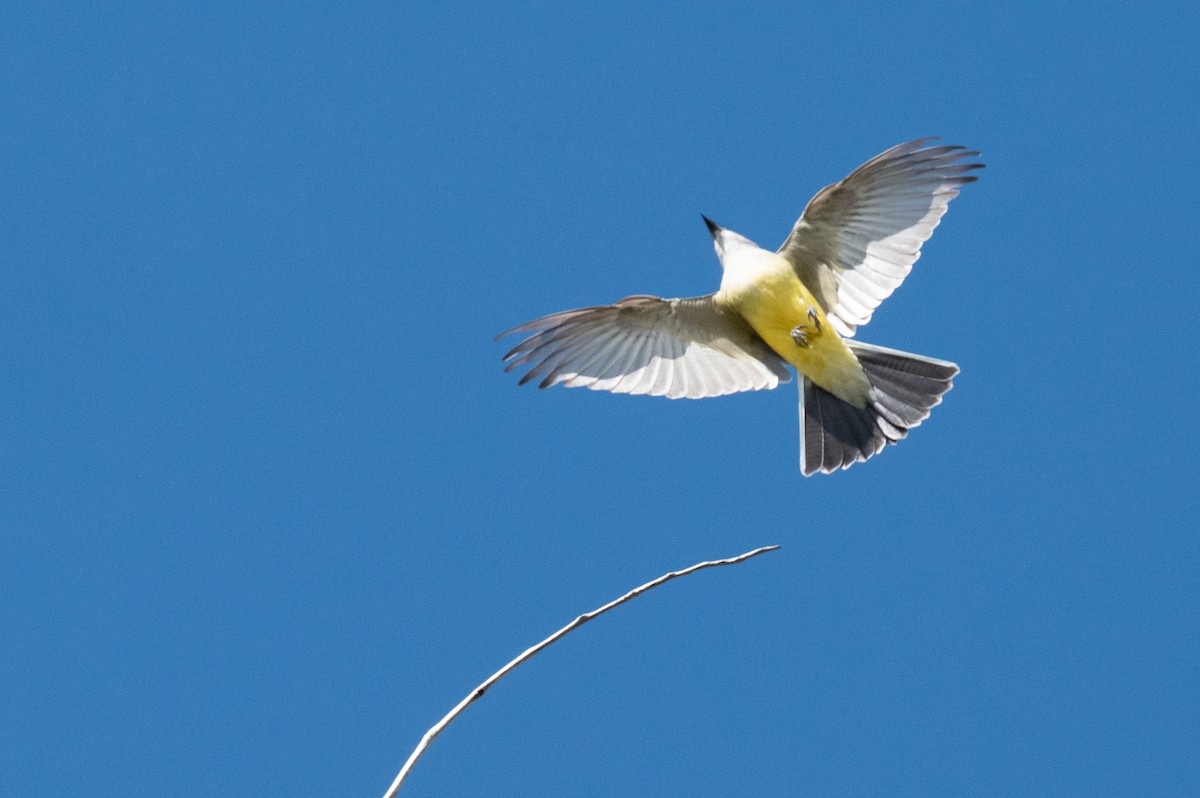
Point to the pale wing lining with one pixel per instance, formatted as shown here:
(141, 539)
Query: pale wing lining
(858, 239)
(678, 348)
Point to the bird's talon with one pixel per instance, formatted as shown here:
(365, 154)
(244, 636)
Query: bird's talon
(799, 336)
(814, 319)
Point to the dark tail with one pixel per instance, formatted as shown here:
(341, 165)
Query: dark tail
(834, 434)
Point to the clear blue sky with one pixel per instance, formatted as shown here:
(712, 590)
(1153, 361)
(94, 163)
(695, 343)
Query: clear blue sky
(269, 506)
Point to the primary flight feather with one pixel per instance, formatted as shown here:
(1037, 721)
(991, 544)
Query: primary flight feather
(801, 305)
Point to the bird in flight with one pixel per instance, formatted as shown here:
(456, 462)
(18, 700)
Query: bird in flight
(801, 305)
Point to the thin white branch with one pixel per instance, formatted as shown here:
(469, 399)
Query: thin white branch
(528, 653)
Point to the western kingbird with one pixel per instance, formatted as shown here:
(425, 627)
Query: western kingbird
(853, 245)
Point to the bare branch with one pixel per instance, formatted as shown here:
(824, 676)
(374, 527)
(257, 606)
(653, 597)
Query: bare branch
(528, 653)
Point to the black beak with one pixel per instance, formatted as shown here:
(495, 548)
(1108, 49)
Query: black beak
(713, 227)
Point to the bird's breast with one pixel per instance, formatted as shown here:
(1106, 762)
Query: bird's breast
(766, 291)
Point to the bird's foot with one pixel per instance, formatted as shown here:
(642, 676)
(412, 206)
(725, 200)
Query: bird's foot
(803, 334)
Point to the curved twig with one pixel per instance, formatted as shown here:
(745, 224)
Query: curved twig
(528, 653)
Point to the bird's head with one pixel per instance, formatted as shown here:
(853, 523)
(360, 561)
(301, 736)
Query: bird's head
(725, 241)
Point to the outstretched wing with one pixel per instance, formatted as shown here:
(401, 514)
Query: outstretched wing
(676, 348)
(858, 239)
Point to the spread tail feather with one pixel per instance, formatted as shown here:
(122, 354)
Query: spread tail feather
(835, 434)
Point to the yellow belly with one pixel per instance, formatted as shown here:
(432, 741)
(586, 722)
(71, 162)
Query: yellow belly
(775, 304)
